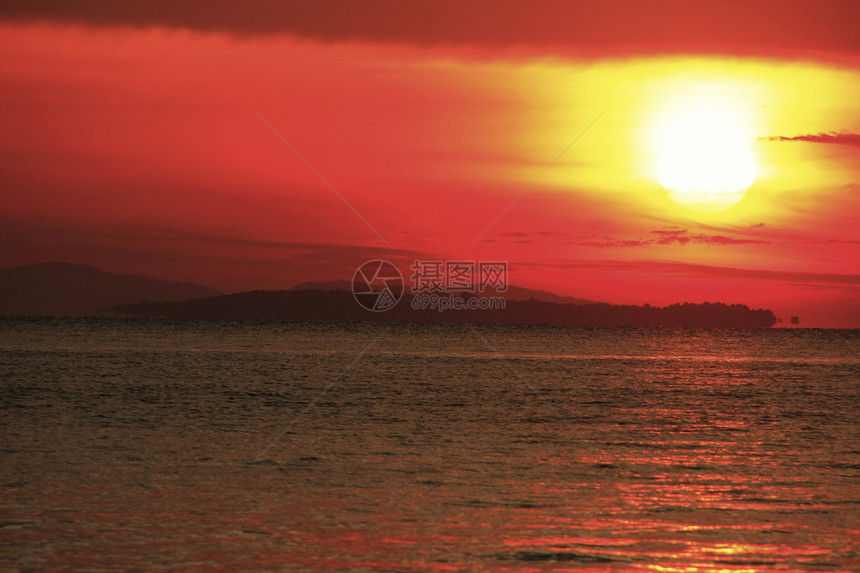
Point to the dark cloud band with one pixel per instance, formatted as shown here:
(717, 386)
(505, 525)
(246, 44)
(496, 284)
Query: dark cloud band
(585, 28)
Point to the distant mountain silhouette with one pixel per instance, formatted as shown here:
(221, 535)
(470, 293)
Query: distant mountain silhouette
(67, 289)
(513, 292)
(340, 305)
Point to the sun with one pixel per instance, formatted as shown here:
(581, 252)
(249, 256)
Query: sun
(705, 162)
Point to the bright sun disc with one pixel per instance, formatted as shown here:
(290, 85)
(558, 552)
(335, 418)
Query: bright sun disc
(705, 162)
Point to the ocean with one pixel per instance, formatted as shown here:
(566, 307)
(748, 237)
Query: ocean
(134, 444)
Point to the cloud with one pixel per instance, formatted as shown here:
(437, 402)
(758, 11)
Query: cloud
(683, 237)
(669, 236)
(160, 236)
(675, 268)
(520, 234)
(610, 243)
(842, 138)
(584, 28)
(229, 263)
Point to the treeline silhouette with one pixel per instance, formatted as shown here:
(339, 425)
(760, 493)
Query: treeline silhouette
(340, 305)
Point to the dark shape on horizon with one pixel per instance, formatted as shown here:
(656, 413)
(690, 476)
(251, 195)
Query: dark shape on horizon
(795, 320)
(339, 305)
(513, 293)
(65, 289)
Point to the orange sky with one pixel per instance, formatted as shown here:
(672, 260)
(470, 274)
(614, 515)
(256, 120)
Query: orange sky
(130, 140)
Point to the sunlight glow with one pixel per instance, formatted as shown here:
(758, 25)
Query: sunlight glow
(704, 160)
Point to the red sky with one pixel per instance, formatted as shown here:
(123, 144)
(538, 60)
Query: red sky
(131, 139)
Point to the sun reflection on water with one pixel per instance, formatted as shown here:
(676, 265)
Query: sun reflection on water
(642, 456)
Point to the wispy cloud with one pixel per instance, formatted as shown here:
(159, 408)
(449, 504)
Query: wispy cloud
(841, 138)
(684, 237)
(676, 268)
(521, 235)
(672, 235)
(229, 263)
(611, 243)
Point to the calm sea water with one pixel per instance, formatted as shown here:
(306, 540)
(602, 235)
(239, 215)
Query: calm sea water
(239, 446)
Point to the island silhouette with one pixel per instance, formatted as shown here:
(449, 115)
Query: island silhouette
(340, 305)
(64, 289)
